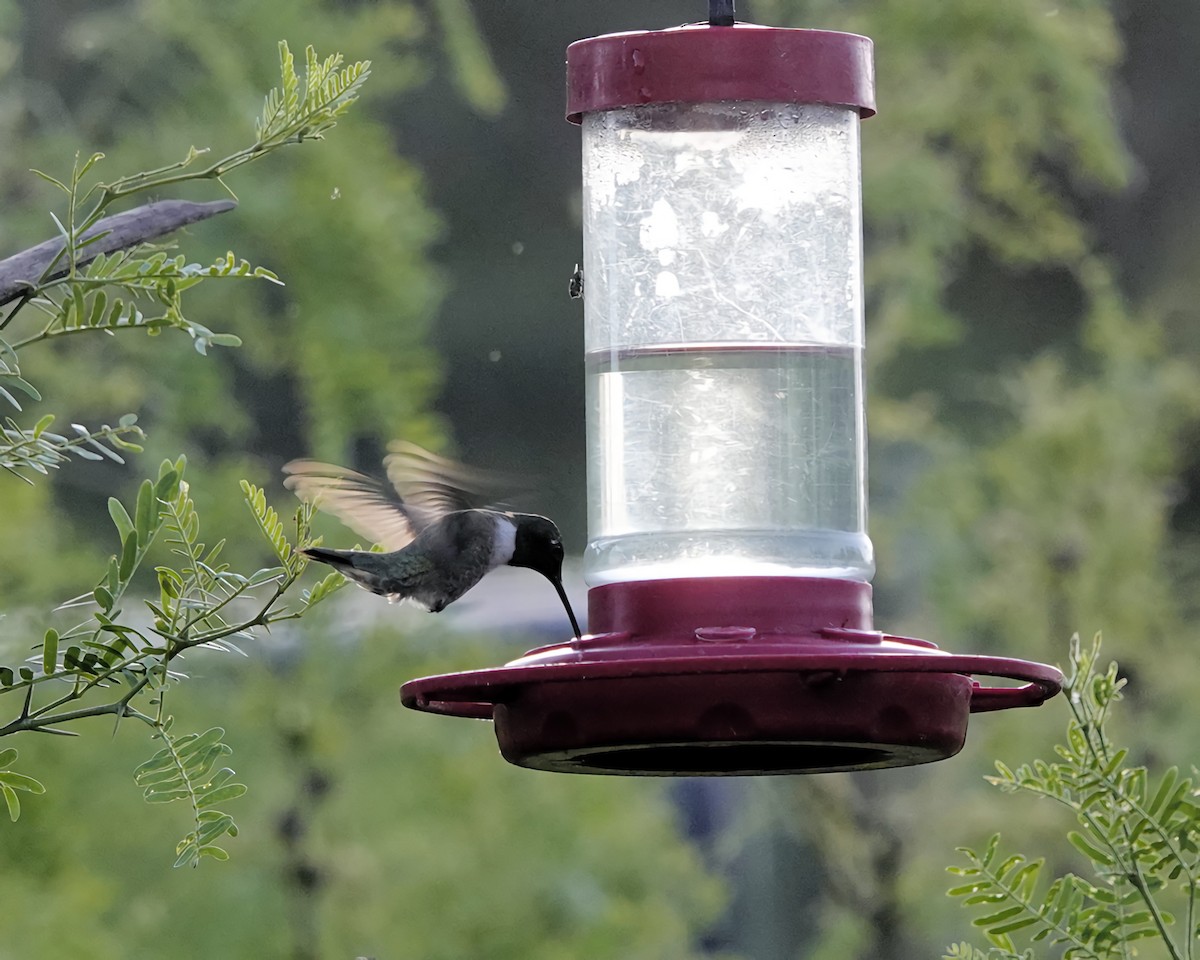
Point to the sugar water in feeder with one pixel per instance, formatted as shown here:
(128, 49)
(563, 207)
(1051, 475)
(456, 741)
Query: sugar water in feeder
(724, 334)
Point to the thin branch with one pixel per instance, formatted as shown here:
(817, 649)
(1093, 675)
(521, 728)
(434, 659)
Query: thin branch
(118, 708)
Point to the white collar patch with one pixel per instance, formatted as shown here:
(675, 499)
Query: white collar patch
(505, 544)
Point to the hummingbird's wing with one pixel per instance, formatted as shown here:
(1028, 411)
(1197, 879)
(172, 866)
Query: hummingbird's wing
(434, 485)
(370, 507)
(424, 489)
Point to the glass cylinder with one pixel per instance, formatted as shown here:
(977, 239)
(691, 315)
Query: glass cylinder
(724, 336)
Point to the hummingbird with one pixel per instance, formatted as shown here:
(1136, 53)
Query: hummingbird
(439, 543)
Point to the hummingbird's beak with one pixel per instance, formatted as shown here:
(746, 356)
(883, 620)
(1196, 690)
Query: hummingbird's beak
(562, 595)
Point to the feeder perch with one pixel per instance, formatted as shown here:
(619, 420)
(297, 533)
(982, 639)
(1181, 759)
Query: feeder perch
(728, 560)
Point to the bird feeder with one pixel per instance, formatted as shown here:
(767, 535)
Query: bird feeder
(728, 559)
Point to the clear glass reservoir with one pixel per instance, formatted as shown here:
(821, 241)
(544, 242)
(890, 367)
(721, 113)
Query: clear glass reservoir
(724, 333)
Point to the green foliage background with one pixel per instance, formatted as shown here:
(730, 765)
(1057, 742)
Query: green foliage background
(418, 839)
(337, 356)
(1032, 410)
(1034, 403)
(362, 834)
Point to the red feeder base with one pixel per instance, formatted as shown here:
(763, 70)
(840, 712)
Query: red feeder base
(739, 676)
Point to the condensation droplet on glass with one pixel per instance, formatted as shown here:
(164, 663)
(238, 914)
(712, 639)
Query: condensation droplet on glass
(666, 284)
(711, 224)
(661, 227)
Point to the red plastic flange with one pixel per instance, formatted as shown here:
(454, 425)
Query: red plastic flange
(732, 676)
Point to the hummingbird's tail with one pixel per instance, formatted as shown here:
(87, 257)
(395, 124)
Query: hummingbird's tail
(354, 565)
(369, 570)
(335, 558)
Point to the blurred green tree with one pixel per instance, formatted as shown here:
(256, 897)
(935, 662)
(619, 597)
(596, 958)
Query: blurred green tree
(105, 276)
(355, 815)
(366, 833)
(1026, 408)
(1028, 418)
(337, 360)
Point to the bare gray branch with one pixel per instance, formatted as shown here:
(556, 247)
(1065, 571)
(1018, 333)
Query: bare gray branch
(23, 270)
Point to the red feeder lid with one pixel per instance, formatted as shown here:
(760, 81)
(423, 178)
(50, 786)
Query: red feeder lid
(699, 63)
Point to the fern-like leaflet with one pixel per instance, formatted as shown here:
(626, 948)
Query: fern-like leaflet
(1142, 843)
(41, 450)
(88, 303)
(269, 523)
(184, 770)
(323, 589)
(141, 288)
(294, 112)
(200, 602)
(11, 782)
(10, 376)
(111, 664)
(293, 562)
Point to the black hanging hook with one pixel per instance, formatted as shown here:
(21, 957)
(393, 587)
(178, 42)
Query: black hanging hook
(720, 13)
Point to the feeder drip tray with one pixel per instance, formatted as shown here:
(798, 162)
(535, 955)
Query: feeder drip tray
(679, 679)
